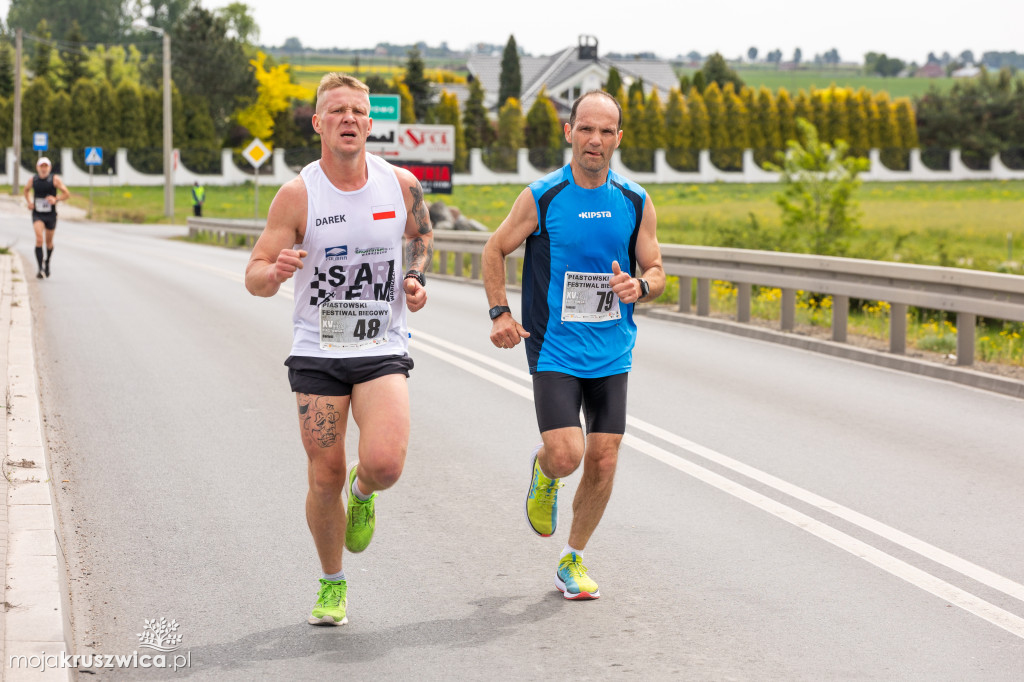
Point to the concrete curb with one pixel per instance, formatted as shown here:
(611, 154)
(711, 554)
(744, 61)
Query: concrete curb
(960, 375)
(37, 619)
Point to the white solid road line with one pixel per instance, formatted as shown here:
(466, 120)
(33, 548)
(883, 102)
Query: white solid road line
(919, 578)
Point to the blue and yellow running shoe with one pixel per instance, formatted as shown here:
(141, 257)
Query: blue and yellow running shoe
(331, 603)
(542, 501)
(572, 579)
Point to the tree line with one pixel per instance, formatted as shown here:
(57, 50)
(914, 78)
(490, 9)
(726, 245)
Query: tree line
(225, 92)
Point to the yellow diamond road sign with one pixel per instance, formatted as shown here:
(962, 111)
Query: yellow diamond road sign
(256, 153)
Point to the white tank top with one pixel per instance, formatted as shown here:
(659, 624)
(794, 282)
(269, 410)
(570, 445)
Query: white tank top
(349, 298)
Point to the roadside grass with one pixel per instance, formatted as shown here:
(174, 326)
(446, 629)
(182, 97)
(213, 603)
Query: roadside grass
(928, 330)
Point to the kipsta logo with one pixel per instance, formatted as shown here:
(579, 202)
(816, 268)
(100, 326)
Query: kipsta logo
(595, 214)
(336, 252)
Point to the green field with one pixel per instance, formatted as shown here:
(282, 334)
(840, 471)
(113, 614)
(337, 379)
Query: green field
(822, 78)
(977, 225)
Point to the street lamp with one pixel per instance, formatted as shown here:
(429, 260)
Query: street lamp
(168, 144)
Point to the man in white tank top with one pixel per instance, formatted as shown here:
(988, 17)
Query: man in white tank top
(338, 230)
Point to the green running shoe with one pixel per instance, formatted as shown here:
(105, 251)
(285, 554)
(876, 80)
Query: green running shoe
(542, 501)
(331, 602)
(361, 518)
(572, 579)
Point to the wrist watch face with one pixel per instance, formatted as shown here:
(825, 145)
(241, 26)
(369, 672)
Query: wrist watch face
(498, 310)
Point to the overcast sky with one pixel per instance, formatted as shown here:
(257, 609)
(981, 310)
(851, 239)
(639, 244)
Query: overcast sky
(900, 28)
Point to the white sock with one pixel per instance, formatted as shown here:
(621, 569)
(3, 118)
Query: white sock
(340, 575)
(570, 550)
(359, 493)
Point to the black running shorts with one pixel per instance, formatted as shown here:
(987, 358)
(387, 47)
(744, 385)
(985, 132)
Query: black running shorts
(558, 398)
(336, 376)
(49, 220)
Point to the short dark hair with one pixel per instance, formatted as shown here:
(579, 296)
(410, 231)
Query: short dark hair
(576, 104)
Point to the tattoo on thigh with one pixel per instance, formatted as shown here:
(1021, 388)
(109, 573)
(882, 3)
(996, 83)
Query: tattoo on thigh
(319, 419)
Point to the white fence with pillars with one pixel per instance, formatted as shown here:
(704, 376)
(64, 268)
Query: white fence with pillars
(525, 173)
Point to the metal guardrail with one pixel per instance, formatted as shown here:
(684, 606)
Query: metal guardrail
(969, 294)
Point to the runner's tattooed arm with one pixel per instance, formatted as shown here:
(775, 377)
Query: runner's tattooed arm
(419, 248)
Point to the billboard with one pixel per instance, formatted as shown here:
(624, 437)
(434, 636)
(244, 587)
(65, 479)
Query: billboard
(435, 178)
(418, 142)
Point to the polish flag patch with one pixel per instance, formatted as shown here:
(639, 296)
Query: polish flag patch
(383, 212)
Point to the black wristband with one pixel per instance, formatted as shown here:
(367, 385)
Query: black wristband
(418, 276)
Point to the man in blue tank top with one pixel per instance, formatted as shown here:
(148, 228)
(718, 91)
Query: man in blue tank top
(587, 231)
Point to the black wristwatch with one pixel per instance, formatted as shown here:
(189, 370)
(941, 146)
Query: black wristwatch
(645, 288)
(418, 276)
(498, 310)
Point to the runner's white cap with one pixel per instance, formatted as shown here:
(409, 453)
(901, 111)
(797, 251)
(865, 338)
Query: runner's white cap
(43, 161)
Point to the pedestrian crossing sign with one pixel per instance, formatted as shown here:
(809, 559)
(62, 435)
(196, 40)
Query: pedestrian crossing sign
(93, 156)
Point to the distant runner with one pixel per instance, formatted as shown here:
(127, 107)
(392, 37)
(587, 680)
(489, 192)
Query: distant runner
(47, 189)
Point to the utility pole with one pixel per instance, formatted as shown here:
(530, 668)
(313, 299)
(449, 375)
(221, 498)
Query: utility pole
(15, 182)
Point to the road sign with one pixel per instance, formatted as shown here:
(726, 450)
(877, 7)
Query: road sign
(385, 108)
(94, 156)
(40, 141)
(256, 153)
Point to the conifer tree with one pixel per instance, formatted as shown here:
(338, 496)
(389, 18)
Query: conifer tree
(203, 151)
(40, 65)
(635, 153)
(479, 133)
(510, 83)
(874, 125)
(6, 68)
(84, 130)
(448, 113)
(614, 85)
(74, 57)
(819, 114)
(906, 124)
(787, 116)
(718, 126)
(654, 122)
(678, 135)
(737, 123)
(802, 108)
(6, 118)
(755, 129)
(407, 107)
(35, 110)
(132, 120)
(543, 133)
(419, 86)
(771, 131)
(700, 123)
(108, 132)
(510, 136)
(889, 140)
(857, 122)
(838, 122)
(59, 125)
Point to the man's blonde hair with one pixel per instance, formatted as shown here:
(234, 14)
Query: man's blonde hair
(334, 79)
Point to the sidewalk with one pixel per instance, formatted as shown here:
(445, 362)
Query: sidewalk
(35, 617)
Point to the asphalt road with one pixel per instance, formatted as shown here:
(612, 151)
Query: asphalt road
(778, 514)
